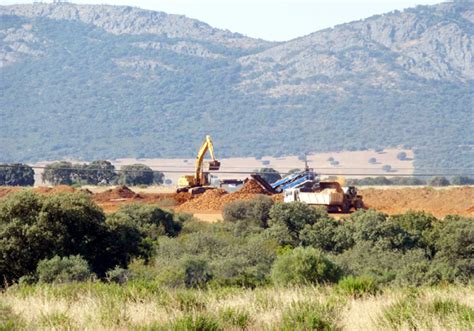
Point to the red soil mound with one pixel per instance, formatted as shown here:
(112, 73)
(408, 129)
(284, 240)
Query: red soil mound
(117, 193)
(251, 186)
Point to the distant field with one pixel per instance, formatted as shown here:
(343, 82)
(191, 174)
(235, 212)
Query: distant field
(349, 163)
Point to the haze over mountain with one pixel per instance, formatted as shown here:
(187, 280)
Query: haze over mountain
(95, 82)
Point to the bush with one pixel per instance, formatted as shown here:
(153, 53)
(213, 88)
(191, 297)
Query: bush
(59, 173)
(462, 180)
(63, 270)
(372, 160)
(118, 275)
(196, 273)
(327, 234)
(304, 266)
(357, 286)
(310, 316)
(387, 168)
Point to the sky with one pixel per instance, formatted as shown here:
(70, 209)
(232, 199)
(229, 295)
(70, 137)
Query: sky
(276, 20)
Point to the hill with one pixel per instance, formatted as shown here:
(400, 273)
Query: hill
(95, 82)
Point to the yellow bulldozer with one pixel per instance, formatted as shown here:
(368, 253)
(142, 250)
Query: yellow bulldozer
(200, 181)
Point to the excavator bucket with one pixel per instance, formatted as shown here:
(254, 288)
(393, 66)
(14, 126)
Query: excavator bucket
(214, 165)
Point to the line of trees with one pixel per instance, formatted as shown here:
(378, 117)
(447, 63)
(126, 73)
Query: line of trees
(100, 172)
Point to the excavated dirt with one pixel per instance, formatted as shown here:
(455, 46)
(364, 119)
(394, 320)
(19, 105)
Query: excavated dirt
(6, 190)
(117, 193)
(439, 202)
(216, 199)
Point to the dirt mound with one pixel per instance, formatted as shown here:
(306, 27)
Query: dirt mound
(6, 190)
(439, 202)
(251, 186)
(117, 193)
(216, 199)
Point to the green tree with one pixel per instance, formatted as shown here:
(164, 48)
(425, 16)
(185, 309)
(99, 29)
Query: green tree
(293, 217)
(16, 174)
(255, 211)
(62, 172)
(304, 266)
(438, 181)
(99, 172)
(402, 156)
(139, 174)
(34, 227)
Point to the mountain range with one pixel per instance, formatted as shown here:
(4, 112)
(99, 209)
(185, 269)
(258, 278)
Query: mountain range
(102, 82)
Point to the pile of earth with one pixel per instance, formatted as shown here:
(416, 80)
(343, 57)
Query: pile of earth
(55, 189)
(216, 199)
(117, 193)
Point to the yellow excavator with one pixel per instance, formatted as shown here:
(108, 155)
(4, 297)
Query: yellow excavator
(199, 182)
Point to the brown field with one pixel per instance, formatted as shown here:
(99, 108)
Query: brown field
(208, 206)
(349, 163)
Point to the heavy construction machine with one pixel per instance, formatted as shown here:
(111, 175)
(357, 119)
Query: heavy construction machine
(305, 187)
(200, 181)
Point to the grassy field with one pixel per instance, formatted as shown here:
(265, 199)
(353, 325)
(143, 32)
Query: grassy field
(146, 306)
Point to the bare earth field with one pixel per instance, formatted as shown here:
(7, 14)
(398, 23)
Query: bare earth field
(208, 206)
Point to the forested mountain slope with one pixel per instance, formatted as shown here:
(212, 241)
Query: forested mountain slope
(90, 81)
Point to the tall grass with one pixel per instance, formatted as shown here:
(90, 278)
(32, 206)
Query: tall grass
(146, 306)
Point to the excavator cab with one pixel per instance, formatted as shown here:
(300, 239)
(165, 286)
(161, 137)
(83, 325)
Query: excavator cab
(214, 165)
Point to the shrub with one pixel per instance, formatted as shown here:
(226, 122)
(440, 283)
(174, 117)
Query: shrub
(387, 168)
(462, 180)
(422, 313)
(196, 273)
(118, 275)
(63, 270)
(304, 266)
(310, 316)
(195, 322)
(357, 286)
(372, 160)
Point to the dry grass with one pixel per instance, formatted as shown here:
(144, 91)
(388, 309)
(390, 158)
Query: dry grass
(92, 306)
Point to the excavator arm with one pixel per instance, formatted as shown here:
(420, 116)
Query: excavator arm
(213, 165)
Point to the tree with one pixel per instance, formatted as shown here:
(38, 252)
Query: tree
(269, 174)
(59, 173)
(99, 172)
(387, 168)
(34, 227)
(255, 211)
(16, 175)
(372, 160)
(462, 180)
(303, 266)
(139, 174)
(438, 181)
(293, 217)
(402, 156)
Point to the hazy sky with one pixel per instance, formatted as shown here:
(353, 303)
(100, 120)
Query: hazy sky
(267, 19)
